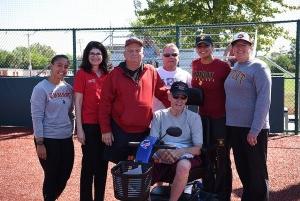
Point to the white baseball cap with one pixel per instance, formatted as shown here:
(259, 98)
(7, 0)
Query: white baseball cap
(241, 36)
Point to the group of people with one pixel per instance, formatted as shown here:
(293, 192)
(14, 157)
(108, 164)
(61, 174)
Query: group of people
(134, 100)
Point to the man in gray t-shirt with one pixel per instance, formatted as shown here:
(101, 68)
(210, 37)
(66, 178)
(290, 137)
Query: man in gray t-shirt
(174, 165)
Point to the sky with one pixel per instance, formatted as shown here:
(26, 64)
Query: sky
(81, 14)
(78, 13)
(65, 13)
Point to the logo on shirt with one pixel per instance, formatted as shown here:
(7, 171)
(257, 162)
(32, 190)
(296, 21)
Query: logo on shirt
(91, 81)
(237, 75)
(59, 94)
(169, 81)
(204, 76)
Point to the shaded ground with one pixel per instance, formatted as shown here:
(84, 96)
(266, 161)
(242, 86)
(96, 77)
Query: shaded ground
(21, 175)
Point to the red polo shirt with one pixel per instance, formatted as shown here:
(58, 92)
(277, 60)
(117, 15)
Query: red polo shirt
(90, 85)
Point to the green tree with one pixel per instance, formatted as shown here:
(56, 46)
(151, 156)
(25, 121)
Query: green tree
(20, 57)
(5, 59)
(285, 61)
(292, 52)
(187, 12)
(40, 56)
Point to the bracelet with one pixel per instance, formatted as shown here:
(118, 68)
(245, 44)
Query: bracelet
(39, 141)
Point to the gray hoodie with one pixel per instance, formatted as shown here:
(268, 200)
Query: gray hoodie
(248, 96)
(51, 106)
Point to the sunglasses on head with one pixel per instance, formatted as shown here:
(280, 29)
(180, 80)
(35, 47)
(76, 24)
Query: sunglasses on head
(182, 97)
(168, 54)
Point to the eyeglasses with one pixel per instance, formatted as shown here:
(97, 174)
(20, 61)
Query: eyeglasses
(168, 54)
(180, 97)
(95, 54)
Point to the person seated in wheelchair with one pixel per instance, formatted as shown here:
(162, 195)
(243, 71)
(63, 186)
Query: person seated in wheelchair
(173, 165)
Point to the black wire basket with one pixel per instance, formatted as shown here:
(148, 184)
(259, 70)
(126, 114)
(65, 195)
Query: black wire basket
(134, 187)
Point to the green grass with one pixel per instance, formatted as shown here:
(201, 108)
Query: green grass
(289, 95)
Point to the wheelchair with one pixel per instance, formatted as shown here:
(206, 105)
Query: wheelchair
(137, 186)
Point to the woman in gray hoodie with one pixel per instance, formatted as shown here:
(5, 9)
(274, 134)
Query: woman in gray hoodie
(51, 109)
(248, 99)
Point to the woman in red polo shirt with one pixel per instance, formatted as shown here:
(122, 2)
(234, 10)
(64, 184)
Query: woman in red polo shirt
(87, 87)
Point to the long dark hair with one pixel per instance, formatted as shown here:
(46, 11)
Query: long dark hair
(86, 65)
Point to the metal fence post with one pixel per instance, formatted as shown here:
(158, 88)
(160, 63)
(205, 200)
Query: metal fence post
(178, 36)
(297, 78)
(74, 52)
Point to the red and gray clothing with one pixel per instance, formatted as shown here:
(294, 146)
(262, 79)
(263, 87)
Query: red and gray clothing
(89, 85)
(128, 101)
(210, 77)
(51, 106)
(248, 96)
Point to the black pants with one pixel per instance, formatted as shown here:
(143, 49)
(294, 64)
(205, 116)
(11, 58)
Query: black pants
(93, 167)
(251, 163)
(57, 166)
(219, 177)
(119, 151)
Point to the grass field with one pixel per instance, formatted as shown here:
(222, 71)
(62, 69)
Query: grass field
(289, 94)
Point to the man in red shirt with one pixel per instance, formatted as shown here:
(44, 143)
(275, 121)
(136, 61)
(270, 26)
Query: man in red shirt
(125, 109)
(209, 73)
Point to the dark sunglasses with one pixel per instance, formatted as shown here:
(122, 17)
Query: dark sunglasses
(180, 97)
(168, 54)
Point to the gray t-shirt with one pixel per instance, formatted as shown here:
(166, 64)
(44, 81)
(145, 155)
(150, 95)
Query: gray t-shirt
(51, 106)
(248, 96)
(188, 121)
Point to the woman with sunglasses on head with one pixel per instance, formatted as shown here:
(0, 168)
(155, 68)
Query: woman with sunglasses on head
(51, 111)
(248, 98)
(170, 72)
(87, 87)
(209, 73)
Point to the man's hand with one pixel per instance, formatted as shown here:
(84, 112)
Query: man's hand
(107, 138)
(252, 139)
(164, 156)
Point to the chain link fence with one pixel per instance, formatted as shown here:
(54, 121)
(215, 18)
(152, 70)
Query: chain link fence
(27, 52)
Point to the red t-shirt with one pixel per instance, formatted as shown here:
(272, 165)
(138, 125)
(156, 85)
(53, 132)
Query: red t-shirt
(211, 77)
(90, 85)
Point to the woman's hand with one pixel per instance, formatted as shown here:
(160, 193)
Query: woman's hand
(252, 139)
(81, 136)
(107, 138)
(41, 151)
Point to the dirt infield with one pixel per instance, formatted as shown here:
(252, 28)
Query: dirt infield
(21, 175)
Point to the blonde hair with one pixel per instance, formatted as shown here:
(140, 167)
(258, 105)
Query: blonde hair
(170, 45)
